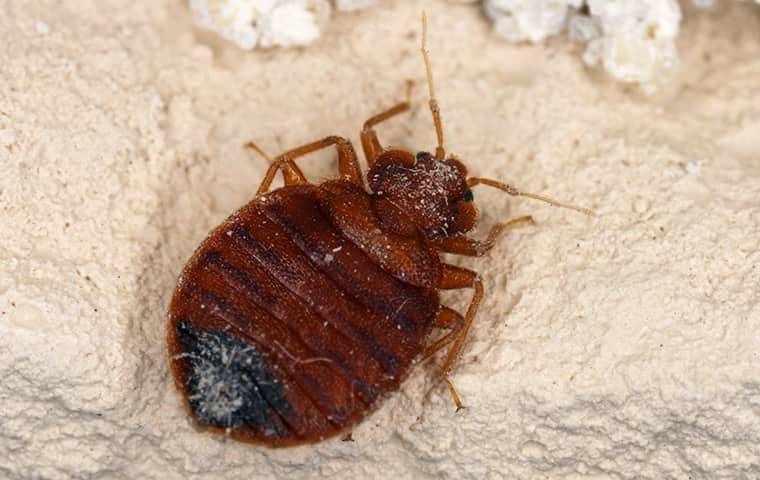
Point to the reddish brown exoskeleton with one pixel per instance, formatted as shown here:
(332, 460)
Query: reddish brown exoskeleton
(301, 311)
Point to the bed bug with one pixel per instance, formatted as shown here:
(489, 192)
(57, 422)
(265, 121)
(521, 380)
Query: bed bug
(306, 307)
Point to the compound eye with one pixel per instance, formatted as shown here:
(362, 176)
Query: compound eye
(422, 156)
(468, 196)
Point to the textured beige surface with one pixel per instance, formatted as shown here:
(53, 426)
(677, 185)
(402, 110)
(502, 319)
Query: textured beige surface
(623, 346)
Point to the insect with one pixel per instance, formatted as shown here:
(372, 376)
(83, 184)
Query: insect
(306, 307)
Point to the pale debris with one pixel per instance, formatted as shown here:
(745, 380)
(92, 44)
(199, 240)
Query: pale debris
(7, 137)
(634, 40)
(42, 27)
(352, 4)
(711, 3)
(266, 23)
(532, 20)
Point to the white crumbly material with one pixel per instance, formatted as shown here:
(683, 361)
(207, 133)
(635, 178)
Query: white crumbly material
(633, 39)
(353, 4)
(710, 3)
(636, 39)
(621, 346)
(532, 20)
(267, 23)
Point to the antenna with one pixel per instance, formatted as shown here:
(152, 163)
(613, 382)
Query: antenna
(440, 153)
(510, 190)
(258, 150)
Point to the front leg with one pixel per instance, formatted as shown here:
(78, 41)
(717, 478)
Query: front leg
(370, 143)
(348, 164)
(470, 247)
(291, 174)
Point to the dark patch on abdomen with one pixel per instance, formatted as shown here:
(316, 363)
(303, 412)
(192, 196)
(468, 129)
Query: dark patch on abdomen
(228, 384)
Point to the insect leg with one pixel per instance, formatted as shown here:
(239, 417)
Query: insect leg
(449, 319)
(475, 248)
(370, 143)
(454, 278)
(348, 165)
(290, 172)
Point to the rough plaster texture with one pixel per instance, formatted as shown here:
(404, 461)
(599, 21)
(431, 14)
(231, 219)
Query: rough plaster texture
(623, 346)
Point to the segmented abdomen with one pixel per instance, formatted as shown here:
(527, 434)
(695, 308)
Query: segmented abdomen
(282, 331)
